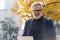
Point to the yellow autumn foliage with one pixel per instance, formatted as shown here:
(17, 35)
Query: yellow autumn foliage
(51, 8)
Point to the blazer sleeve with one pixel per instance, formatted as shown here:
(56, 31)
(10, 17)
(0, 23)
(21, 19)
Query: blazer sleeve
(25, 29)
(52, 31)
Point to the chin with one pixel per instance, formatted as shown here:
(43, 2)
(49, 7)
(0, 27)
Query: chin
(37, 17)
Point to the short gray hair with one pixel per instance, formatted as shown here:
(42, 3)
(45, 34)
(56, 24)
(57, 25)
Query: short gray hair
(37, 3)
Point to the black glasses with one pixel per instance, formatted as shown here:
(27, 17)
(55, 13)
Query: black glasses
(37, 10)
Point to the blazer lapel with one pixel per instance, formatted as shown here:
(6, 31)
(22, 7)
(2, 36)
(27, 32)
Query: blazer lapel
(43, 28)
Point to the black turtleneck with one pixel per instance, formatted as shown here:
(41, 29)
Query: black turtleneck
(36, 29)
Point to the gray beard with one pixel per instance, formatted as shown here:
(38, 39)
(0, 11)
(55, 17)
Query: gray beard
(38, 16)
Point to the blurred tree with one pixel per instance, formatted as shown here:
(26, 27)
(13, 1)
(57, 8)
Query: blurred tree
(7, 27)
(51, 8)
(12, 28)
(14, 7)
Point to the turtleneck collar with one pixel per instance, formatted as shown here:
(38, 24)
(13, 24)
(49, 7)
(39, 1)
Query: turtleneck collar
(38, 19)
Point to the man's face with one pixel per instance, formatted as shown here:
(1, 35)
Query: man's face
(37, 11)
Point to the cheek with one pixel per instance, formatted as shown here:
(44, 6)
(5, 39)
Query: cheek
(41, 12)
(33, 13)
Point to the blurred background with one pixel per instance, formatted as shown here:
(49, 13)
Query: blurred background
(14, 13)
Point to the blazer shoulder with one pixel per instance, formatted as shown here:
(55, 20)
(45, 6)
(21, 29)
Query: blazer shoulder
(47, 19)
(30, 20)
(50, 22)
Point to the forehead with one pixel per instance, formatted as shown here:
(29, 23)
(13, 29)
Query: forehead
(37, 7)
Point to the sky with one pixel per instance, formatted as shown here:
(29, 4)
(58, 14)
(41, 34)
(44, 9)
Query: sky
(2, 4)
(4, 8)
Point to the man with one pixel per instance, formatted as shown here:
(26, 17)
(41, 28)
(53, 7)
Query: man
(39, 27)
